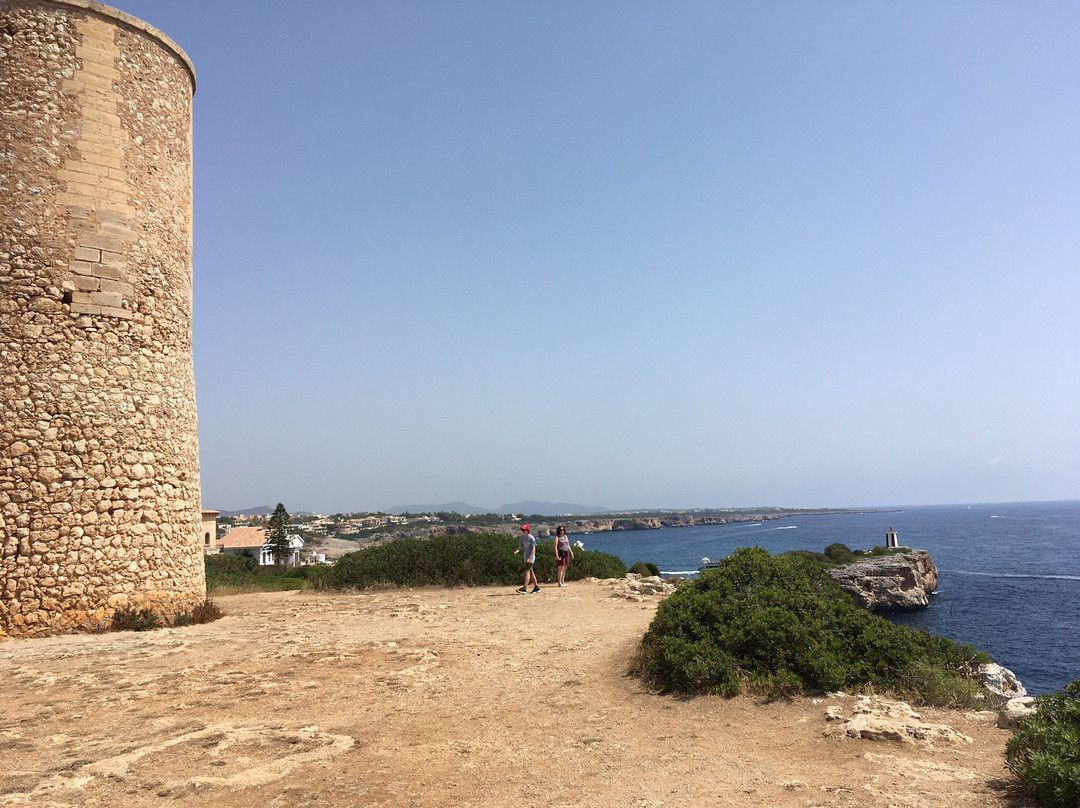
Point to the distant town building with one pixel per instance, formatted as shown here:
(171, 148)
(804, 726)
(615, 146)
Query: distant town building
(209, 531)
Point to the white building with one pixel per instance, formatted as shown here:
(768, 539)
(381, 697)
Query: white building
(252, 541)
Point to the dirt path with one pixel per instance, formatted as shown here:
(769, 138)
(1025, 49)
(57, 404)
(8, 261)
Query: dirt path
(431, 697)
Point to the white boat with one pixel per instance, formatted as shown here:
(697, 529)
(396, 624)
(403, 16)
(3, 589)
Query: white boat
(708, 564)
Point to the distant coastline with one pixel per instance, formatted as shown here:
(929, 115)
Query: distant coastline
(341, 533)
(655, 520)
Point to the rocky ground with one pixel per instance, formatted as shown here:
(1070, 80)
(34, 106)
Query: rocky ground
(433, 697)
(332, 547)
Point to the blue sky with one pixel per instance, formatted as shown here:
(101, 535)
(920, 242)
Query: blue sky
(634, 254)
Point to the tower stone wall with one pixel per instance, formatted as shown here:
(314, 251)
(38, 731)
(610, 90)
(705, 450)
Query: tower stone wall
(99, 471)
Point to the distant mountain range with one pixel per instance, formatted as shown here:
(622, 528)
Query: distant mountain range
(529, 507)
(258, 510)
(457, 507)
(550, 508)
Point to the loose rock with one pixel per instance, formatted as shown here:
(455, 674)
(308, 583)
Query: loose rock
(877, 719)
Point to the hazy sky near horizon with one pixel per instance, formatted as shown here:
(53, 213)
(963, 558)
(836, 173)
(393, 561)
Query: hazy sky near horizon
(634, 254)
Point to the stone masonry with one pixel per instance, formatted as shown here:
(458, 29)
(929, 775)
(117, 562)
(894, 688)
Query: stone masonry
(99, 470)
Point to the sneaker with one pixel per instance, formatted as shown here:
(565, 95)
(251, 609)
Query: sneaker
(562, 584)
(535, 589)
(523, 591)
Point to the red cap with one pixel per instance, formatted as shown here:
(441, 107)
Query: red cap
(524, 527)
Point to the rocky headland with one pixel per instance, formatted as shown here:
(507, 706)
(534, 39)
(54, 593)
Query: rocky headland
(903, 582)
(897, 582)
(655, 521)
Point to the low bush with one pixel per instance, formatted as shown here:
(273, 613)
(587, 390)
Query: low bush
(821, 560)
(840, 554)
(1044, 752)
(132, 619)
(236, 573)
(205, 612)
(146, 619)
(881, 550)
(779, 625)
(645, 569)
(591, 564)
(479, 559)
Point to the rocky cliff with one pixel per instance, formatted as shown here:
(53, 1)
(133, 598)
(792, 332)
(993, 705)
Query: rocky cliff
(890, 583)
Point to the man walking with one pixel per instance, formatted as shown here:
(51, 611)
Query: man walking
(527, 548)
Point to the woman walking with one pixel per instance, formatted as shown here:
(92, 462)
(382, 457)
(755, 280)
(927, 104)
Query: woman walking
(563, 553)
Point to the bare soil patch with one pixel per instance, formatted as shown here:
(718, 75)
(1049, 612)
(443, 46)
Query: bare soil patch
(434, 697)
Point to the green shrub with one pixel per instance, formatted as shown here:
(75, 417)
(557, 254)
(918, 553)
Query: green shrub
(840, 554)
(1044, 752)
(645, 569)
(226, 571)
(225, 563)
(779, 625)
(480, 559)
(594, 564)
(881, 550)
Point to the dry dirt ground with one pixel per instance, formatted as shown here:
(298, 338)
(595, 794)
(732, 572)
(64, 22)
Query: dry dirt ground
(433, 697)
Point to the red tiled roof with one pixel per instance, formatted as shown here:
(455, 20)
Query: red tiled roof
(243, 537)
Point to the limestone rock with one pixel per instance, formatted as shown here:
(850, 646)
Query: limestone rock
(1000, 685)
(890, 583)
(638, 587)
(1014, 710)
(876, 719)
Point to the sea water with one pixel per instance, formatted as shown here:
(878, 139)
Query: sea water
(1008, 574)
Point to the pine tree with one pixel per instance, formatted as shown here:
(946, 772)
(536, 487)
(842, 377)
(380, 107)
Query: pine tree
(277, 539)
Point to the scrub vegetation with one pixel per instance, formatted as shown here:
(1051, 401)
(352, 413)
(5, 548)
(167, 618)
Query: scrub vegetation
(146, 619)
(1044, 752)
(230, 574)
(777, 625)
(840, 555)
(474, 560)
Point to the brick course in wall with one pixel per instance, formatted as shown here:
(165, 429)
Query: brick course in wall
(99, 474)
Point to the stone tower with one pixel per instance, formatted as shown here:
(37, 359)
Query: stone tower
(99, 466)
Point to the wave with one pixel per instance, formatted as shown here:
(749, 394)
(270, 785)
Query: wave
(765, 530)
(1015, 575)
(679, 572)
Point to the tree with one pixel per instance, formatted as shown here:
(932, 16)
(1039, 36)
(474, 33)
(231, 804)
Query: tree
(277, 539)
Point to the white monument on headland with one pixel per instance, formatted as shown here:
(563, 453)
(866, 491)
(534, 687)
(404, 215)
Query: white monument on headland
(891, 539)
